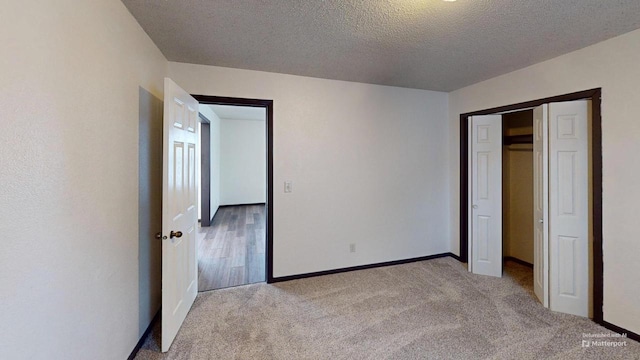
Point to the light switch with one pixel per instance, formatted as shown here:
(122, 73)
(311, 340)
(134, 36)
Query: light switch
(288, 187)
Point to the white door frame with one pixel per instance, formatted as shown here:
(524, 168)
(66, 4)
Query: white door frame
(596, 180)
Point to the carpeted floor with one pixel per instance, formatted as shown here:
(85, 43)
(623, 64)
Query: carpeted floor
(425, 310)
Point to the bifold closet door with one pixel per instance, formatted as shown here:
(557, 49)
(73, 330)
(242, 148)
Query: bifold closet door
(540, 203)
(568, 207)
(486, 195)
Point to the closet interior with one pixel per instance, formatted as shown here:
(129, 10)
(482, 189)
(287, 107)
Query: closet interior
(517, 187)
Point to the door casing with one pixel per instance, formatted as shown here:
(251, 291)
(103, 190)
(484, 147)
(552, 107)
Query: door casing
(268, 105)
(596, 179)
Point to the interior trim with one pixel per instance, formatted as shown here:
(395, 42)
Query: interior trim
(456, 257)
(214, 215)
(267, 104)
(135, 350)
(362, 267)
(204, 119)
(243, 204)
(630, 334)
(596, 176)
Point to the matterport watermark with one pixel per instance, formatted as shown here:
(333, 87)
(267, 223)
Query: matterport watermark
(604, 340)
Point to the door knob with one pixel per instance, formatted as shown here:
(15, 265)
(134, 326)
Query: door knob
(475, 206)
(173, 234)
(541, 221)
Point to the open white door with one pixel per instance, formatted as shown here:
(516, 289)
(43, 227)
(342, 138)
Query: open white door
(568, 207)
(179, 209)
(540, 203)
(486, 195)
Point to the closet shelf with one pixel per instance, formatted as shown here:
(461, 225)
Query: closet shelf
(517, 139)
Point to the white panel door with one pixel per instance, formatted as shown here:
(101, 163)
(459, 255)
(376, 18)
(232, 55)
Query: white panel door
(568, 207)
(179, 209)
(540, 203)
(486, 195)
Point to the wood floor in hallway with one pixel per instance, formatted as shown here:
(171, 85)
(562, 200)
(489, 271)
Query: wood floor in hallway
(232, 251)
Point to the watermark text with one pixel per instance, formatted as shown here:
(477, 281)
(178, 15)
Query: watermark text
(604, 340)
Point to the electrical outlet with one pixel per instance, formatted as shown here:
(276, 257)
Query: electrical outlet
(352, 248)
(288, 187)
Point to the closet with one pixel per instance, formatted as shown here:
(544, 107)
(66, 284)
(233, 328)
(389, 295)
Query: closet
(529, 199)
(517, 187)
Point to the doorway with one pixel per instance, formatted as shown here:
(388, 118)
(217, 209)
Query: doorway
(595, 180)
(180, 201)
(237, 194)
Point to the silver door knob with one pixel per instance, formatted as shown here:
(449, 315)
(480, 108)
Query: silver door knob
(475, 206)
(541, 221)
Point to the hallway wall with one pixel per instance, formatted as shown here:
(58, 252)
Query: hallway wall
(243, 161)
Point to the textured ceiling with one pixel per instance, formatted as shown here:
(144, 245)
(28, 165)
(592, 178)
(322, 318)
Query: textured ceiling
(425, 44)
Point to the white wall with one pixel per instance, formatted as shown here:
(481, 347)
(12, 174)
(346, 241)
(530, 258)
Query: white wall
(612, 65)
(69, 104)
(364, 161)
(243, 161)
(214, 129)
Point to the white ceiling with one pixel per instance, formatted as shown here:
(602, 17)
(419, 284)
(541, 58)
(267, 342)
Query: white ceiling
(230, 112)
(425, 44)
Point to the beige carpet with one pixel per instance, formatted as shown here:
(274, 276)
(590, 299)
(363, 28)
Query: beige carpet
(426, 310)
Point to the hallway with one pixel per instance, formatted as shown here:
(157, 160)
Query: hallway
(232, 250)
